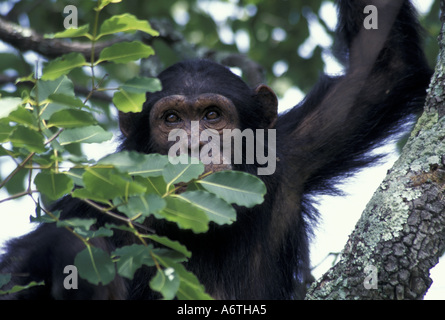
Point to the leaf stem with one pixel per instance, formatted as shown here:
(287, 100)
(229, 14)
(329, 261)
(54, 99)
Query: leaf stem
(17, 169)
(19, 195)
(116, 216)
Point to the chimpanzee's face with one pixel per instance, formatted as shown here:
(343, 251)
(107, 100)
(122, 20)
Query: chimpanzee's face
(196, 113)
(193, 125)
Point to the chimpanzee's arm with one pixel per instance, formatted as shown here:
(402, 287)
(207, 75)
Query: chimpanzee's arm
(386, 78)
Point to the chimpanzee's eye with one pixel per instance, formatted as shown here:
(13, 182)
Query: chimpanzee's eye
(211, 115)
(172, 117)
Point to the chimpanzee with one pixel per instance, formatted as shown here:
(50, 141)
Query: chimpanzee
(264, 254)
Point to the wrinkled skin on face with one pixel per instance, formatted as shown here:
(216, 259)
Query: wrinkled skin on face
(213, 112)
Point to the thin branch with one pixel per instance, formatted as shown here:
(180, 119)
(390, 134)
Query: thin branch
(17, 169)
(19, 195)
(27, 39)
(116, 216)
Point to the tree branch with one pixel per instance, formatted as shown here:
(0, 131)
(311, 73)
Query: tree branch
(27, 39)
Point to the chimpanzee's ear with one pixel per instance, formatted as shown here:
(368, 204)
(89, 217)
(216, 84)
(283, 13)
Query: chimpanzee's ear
(125, 123)
(269, 102)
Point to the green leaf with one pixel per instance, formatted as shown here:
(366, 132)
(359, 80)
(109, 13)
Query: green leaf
(53, 185)
(121, 227)
(185, 215)
(43, 89)
(46, 218)
(15, 289)
(142, 205)
(45, 160)
(105, 183)
(98, 182)
(190, 288)
(156, 185)
(66, 100)
(90, 134)
(104, 3)
(63, 65)
(29, 78)
(48, 110)
(135, 163)
(128, 101)
(5, 131)
(76, 175)
(71, 118)
(235, 187)
(24, 116)
(182, 172)
(124, 52)
(217, 209)
(17, 183)
(90, 195)
(131, 258)
(166, 282)
(77, 223)
(3, 151)
(81, 31)
(142, 85)
(95, 266)
(76, 156)
(175, 245)
(99, 233)
(125, 23)
(30, 139)
(9, 104)
(193, 186)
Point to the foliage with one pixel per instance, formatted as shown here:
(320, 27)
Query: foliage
(279, 35)
(39, 129)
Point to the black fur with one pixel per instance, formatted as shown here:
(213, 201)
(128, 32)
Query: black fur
(265, 254)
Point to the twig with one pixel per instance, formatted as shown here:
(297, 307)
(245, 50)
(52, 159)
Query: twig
(27, 39)
(116, 216)
(19, 195)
